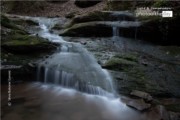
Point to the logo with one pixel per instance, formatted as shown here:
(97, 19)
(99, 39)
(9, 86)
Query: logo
(167, 13)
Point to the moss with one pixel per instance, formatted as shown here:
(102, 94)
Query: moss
(23, 40)
(23, 44)
(123, 62)
(118, 64)
(130, 57)
(173, 107)
(137, 72)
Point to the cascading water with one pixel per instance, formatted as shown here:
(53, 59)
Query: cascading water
(123, 21)
(72, 66)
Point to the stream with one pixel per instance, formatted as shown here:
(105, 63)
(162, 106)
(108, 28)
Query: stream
(70, 85)
(60, 78)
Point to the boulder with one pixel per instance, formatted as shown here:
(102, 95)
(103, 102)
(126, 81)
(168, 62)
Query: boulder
(141, 94)
(86, 3)
(138, 104)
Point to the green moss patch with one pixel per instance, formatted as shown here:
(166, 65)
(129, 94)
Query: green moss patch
(23, 44)
(116, 63)
(23, 40)
(130, 57)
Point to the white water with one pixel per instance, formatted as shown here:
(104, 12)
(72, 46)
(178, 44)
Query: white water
(72, 65)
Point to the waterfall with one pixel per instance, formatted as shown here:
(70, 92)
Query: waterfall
(72, 66)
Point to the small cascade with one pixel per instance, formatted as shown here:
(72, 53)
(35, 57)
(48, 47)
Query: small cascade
(70, 80)
(72, 66)
(124, 20)
(115, 31)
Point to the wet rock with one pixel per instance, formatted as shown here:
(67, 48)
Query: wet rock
(141, 94)
(56, 27)
(31, 65)
(138, 104)
(83, 42)
(85, 3)
(70, 15)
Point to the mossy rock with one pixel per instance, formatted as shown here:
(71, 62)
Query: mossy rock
(101, 16)
(57, 27)
(25, 22)
(88, 29)
(27, 44)
(130, 57)
(6, 22)
(116, 63)
(99, 29)
(23, 40)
